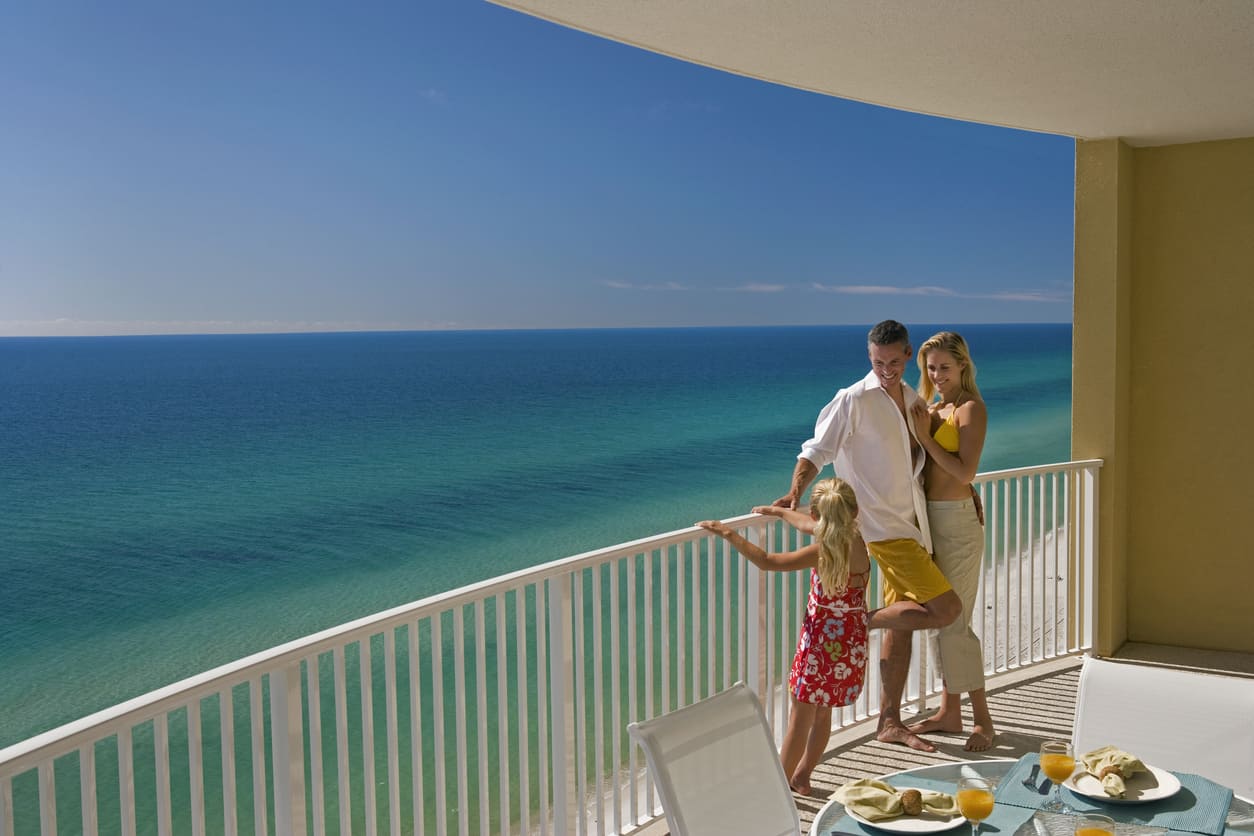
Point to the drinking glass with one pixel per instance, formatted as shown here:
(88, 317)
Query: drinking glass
(975, 801)
(1057, 762)
(1092, 824)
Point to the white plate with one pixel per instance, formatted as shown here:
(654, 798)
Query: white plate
(922, 823)
(1153, 785)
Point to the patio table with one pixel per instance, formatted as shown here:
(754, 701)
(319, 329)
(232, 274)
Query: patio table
(1007, 819)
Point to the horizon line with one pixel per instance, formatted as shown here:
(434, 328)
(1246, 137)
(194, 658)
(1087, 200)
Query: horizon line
(486, 329)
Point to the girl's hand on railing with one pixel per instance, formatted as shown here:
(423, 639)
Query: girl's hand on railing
(716, 526)
(800, 520)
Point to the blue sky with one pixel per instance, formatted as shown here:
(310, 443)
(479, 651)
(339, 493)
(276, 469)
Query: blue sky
(174, 168)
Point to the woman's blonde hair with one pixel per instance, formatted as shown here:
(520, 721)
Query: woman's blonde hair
(955, 345)
(837, 508)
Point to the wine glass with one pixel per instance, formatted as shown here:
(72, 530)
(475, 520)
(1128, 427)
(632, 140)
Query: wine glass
(1057, 762)
(1092, 824)
(975, 801)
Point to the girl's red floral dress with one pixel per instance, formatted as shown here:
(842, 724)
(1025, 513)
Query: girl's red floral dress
(830, 664)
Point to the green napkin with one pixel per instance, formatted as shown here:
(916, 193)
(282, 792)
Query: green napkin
(1111, 766)
(877, 801)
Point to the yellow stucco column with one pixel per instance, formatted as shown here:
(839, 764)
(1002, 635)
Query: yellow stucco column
(1164, 298)
(1189, 497)
(1101, 359)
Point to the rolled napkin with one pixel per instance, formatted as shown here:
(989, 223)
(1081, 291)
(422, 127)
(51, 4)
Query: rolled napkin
(876, 801)
(1111, 766)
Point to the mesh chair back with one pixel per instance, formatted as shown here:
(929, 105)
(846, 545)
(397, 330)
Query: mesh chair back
(1186, 721)
(716, 769)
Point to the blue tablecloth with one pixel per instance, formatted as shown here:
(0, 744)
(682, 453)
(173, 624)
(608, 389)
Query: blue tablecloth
(1201, 806)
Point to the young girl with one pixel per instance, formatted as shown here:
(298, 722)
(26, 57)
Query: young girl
(830, 663)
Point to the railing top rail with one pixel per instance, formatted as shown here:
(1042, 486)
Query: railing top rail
(25, 754)
(1017, 472)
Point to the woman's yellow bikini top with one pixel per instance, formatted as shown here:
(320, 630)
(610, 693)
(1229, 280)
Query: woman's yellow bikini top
(946, 434)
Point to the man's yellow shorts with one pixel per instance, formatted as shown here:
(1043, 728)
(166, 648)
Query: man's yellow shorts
(909, 571)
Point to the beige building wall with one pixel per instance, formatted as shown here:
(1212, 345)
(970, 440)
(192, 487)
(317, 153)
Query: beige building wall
(1163, 387)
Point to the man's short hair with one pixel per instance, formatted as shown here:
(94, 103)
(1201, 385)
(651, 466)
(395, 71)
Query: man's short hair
(889, 332)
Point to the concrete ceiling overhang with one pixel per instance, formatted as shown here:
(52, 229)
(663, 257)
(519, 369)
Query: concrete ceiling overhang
(1153, 72)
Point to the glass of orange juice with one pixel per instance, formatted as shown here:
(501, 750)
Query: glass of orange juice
(1092, 824)
(975, 801)
(1057, 762)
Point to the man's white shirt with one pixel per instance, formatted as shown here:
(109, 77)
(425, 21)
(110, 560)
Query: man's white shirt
(863, 434)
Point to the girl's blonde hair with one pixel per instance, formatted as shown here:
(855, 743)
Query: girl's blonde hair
(837, 527)
(956, 346)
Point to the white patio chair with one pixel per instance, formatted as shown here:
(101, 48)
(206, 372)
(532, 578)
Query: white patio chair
(716, 769)
(1187, 721)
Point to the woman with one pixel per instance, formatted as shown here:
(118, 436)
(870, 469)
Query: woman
(950, 422)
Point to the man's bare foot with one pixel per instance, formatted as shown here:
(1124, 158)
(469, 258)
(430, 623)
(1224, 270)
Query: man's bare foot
(981, 738)
(897, 733)
(937, 723)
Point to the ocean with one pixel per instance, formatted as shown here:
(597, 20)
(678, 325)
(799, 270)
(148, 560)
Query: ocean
(174, 503)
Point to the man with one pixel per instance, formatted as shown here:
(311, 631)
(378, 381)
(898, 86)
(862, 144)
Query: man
(865, 432)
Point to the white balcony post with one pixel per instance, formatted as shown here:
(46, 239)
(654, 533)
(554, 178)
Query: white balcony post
(562, 703)
(755, 622)
(126, 781)
(87, 791)
(286, 740)
(47, 800)
(918, 665)
(6, 806)
(1089, 552)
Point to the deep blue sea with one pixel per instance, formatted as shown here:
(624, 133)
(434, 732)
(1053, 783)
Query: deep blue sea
(173, 503)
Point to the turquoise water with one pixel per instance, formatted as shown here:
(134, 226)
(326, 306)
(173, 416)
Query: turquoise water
(174, 503)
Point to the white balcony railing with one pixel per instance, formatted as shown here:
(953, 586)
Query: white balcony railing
(501, 707)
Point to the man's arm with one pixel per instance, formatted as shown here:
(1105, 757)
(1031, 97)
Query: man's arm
(829, 433)
(802, 475)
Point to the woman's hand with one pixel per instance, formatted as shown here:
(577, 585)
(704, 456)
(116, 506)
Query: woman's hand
(768, 510)
(922, 419)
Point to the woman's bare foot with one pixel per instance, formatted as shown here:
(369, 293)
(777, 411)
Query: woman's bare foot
(981, 738)
(939, 722)
(801, 786)
(897, 733)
